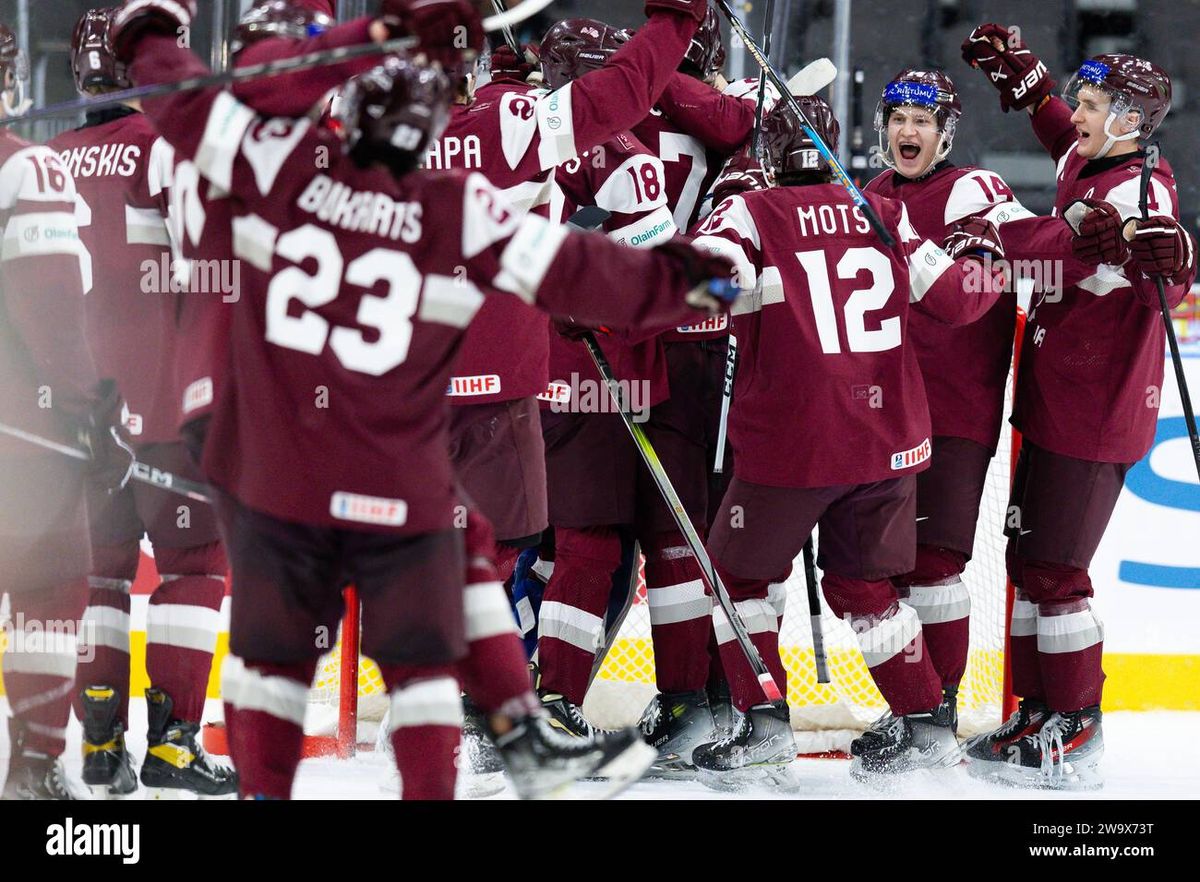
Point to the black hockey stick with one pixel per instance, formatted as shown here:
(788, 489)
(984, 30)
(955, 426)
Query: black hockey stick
(237, 75)
(1149, 164)
(768, 33)
(142, 473)
(814, 611)
(839, 173)
(509, 37)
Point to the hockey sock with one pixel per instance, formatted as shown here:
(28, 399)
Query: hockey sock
(571, 622)
(1070, 636)
(680, 615)
(889, 635)
(763, 628)
(1023, 649)
(182, 621)
(39, 663)
(426, 719)
(494, 672)
(936, 591)
(264, 722)
(104, 642)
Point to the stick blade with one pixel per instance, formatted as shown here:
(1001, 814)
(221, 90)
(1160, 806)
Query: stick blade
(813, 77)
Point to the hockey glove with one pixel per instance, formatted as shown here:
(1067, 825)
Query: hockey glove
(711, 276)
(173, 17)
(1018, 75)
(104, 438)
(1097, 229)
(446, 29)
(975, 237)
(697, 9)
(1159, 246)
(742, 174)
(508, 68)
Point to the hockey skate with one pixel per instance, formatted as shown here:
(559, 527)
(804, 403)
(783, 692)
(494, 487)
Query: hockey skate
(107, 767)
(31, 774)
(992, 747)
(758, 752)
(1064, 754)
(478, 751)
(544, 762)
(176, 765)
(675, 724)
(898, 745)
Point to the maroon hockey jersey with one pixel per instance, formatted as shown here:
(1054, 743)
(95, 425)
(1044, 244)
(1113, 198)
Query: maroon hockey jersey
(201, 216)
(828, 391)
(965, 368)
(47, 376)
(516, 136)
(122, 169)
(1092, 358)
(357, 289)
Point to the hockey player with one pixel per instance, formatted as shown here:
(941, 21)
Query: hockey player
(49, 388)
(118, 159)
(829, 306)
(965, 368)
(516, 136)
(391, 529)
(1091, 352)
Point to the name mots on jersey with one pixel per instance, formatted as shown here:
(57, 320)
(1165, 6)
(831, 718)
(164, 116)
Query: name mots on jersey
(829, 220)
(102, 160)
(362, 212)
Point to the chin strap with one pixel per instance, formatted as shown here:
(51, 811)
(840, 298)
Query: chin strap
(1112, 139)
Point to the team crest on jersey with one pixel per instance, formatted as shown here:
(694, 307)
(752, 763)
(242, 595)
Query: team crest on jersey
(906, 459)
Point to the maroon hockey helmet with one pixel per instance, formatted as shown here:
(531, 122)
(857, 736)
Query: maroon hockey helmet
(1135, 86)
(930, 89)
(577, 46)
(92, 60)
(391, 114)
(14, 68)
(790, 151)
(278, 18)
(705, 54)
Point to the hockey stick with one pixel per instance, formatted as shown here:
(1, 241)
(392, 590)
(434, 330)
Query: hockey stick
(249, 72)
(509, 37)
(142, 473)
(1148, 166)
(814, 611)
(839, 173)
(756, 140)
(726, 401)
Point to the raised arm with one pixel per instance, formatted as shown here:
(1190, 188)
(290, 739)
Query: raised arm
(720, 122)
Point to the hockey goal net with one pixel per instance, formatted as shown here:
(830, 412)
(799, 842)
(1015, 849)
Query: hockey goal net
(348, 695)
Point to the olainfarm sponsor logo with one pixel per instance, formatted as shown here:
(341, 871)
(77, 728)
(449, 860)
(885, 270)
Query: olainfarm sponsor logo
(69, 839)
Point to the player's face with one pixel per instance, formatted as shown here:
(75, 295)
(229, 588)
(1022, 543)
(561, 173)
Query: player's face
(913, 137)
(1089, 118)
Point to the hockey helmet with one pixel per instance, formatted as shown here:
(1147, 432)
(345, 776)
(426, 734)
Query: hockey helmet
(930, 89)
(92, 60)
(789, 149)
(278, 18)
(577, 46)
(391, 114)
(14, 67)
(1140, 91)
(705, 54)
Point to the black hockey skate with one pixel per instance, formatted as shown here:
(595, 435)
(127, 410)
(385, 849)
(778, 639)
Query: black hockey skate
(31, 774)
(897, 745)
(675, 724)
(1064, 754)
(993, 747)
(544, 762)
(175, 763)
(877, 732)
(758, 752)
(107, 767)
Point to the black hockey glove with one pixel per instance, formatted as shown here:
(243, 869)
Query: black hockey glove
(104, 437)
(1160, 246)
(975, 237)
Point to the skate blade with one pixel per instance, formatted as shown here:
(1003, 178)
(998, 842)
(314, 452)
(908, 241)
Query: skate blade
(625, 769)
(1082, 776)
(775, 776)
(672, 770)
